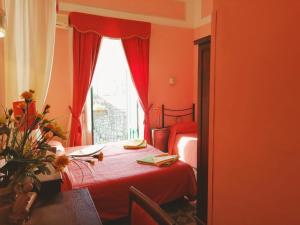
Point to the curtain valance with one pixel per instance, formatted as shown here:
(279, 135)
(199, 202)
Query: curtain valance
(110, 27)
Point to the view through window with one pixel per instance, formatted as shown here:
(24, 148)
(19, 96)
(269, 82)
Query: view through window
(116, 111)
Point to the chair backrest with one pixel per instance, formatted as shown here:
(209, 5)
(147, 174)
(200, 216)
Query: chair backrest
(151, 208)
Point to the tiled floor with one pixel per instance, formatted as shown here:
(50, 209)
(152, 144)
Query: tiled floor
(182, 211)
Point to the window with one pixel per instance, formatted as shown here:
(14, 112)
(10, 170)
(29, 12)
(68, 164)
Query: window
(116, 113)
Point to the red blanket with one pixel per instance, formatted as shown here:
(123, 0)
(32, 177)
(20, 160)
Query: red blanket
(179, 128)
(108, 181)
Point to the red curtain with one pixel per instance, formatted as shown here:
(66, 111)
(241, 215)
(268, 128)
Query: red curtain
(135, 37)
(137, 54)
(85, 52)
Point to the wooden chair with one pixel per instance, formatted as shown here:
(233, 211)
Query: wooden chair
(143, 210)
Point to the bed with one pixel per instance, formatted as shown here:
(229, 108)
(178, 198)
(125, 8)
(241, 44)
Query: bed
(109, 180)
(182, 139)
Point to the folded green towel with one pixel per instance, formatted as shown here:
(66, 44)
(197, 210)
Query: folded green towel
(135, 144)
(159, 160)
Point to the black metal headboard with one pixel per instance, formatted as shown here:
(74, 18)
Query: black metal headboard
(176, 113)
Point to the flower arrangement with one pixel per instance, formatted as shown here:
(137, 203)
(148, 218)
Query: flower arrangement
(24, 138)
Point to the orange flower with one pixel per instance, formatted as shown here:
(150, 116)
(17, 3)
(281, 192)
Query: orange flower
(46, 109)
(39, 116)
(61, 162)
(27, 95)
(100, 156)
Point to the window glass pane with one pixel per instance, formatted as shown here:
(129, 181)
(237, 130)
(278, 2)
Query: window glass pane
(116, 112)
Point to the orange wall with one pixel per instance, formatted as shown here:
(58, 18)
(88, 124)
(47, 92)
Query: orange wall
(255, 133)
(202, 31)
(171, 54)
(60, 87)
(207, 6)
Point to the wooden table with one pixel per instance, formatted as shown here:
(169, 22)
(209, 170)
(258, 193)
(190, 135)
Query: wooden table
(65, 208)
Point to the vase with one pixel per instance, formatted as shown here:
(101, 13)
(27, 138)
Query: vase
(20, 207)
(15, 203)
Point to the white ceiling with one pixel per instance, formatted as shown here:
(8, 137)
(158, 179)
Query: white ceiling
(193, 14)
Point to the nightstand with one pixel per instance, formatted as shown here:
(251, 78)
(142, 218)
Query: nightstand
(160, 138)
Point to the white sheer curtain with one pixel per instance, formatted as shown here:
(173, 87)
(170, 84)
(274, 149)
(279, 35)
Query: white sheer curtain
(29, 47)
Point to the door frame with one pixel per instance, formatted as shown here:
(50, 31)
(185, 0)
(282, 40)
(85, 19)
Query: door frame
(204, 44)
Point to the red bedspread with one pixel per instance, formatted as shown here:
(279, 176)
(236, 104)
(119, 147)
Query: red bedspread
(108, 181)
